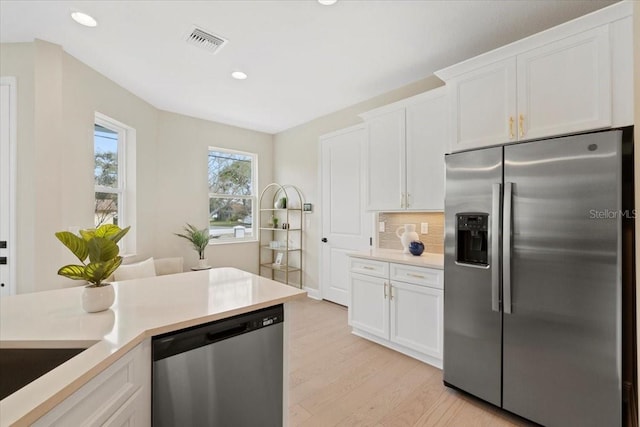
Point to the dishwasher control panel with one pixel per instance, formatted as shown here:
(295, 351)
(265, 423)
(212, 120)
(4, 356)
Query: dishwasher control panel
(177, 342)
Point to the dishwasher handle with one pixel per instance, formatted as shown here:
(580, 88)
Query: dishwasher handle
(227, 333)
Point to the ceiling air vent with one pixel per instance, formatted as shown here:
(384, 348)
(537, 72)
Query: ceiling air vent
(206, 40)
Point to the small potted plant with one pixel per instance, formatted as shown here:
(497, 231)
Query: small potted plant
(199, 239)
(101, 248)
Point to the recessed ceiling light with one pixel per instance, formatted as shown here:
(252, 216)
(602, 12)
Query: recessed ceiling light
(327, 2)
(238, 75)
(84, 19)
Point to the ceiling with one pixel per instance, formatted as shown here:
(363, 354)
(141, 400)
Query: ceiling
(304, 60)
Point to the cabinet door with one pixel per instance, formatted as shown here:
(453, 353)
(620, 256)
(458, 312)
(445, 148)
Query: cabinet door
(120, 393)
(416, 317)
(386, 161)
(426, 145)
(565, 86)
(369, 306)
(482, 103)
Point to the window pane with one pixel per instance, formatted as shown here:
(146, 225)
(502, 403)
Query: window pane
(230, 218)
(229, 174)
(106, 209)
(105, 142)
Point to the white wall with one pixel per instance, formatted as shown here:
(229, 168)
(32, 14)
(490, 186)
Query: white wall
(183, 144)
(296, 162)
(57, 100)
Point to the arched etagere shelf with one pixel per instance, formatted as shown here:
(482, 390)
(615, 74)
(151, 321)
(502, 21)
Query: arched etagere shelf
(280, 236)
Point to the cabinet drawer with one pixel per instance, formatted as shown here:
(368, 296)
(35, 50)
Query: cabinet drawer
(370, 267)
(417, 275)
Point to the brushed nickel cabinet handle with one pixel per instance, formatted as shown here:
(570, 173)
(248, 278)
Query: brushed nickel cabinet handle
(418, 276)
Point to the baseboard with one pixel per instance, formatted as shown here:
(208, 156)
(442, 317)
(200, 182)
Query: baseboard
(313, 293)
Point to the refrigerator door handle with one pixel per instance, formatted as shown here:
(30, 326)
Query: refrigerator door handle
(506, 247)
(495, 248)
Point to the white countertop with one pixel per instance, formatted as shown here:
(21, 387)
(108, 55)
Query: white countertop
(393, 255)
(143, 308)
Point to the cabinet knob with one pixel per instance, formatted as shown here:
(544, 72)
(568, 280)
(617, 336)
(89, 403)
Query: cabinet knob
(324, 240)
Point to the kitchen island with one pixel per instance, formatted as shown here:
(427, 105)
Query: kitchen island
(143, 308)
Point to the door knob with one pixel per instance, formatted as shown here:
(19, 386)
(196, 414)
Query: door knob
(324, 240)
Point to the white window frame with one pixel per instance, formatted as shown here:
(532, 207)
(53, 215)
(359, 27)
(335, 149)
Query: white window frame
(253, 197)
(126, 178)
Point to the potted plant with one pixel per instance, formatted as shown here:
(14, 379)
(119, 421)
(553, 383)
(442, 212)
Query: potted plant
(100, 247)
(199, 239)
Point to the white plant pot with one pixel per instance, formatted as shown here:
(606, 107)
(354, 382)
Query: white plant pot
(202, 264)
(95, 299)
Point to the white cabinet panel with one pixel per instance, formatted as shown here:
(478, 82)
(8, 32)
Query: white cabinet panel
(565, 86)
(369, 307)
(483, 106)
(417, 275)
(416, 317)
(370, 267)
(572, 78)
(119, 395)
(406, 317)
(386, 160)
(426, 145)
(405, 161)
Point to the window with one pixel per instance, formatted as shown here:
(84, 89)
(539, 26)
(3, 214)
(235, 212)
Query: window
(114, 178)
(232, 186)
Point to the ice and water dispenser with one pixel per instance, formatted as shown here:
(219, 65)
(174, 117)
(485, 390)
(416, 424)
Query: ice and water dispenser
(472, 238)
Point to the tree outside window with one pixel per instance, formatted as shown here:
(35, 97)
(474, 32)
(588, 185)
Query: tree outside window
(108, 186)
(231, 194)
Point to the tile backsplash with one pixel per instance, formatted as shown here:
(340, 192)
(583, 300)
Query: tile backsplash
(433, 241)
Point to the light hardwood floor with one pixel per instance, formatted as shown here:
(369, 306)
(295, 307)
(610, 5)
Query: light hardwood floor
(338, 379)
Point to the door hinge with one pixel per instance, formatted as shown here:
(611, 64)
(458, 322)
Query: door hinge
(370, 241)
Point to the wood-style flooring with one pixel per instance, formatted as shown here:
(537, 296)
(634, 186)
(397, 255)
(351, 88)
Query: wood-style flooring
(338, 379)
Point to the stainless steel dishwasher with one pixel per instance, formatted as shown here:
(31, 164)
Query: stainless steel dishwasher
(225, 373)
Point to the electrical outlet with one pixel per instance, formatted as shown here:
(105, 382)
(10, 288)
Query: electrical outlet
(381, 226)
(424, 228)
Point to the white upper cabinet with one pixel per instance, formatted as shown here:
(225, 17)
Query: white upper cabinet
(386, 160)
(426, 143)
(565, 87)
(406, 142)
(483, 106)
(568, 79)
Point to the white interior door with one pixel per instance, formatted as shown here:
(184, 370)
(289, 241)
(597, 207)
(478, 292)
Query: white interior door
(7, 195)
(346, 226)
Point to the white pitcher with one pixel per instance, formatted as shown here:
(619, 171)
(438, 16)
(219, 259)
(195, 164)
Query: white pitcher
(407, 234)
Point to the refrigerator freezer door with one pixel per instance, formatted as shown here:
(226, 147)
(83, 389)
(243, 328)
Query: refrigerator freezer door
(562, 348)
(472, 329)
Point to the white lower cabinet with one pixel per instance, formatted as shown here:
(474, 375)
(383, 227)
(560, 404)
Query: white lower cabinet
(118, 396)
(405, 315)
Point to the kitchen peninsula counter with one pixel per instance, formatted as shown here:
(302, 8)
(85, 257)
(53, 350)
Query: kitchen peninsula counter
(143, 308)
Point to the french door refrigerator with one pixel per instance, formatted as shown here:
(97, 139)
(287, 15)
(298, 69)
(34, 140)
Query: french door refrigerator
(533, 277)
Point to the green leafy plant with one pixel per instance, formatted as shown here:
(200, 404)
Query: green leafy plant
(99, 246)
(199, 238)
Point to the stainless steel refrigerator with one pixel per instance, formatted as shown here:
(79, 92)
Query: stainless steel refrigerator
(533, 277)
